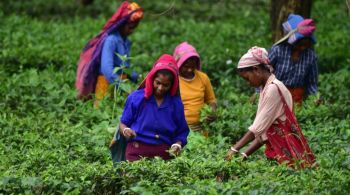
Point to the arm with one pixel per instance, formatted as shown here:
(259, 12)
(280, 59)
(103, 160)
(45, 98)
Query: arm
(213, 106)
(209, 95)
(107, 59)
(254, 146)
(110, 47)
(182, 127)
(263, 120)
(176, 148)
(126, 131)
(180, 138)
(249, 136)
(127, 119)
(209, 98)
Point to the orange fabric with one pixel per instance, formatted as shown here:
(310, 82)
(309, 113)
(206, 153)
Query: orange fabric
(297, 94)
(102, 85)
(124, 10)
(138, 12)
(101, 89)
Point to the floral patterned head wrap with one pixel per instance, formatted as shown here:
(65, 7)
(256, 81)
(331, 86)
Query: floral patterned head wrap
(254, 56)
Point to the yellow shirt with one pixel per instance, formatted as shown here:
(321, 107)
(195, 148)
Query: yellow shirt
(194, 94)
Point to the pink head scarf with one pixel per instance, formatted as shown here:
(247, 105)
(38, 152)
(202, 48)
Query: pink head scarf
(183, 52)
(165, 62)
(254, 56)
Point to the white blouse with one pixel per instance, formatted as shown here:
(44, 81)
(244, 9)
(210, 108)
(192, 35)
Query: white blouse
(270, 107)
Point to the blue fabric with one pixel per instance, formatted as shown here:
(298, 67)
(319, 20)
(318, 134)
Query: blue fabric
(134, 76)
(303, 73)
(113, 44)
(292, 23)
(148, 120)
(118, 149)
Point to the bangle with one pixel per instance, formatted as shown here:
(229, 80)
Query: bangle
(244, 154)
(178, 145)
(233, 149)
(126, 128)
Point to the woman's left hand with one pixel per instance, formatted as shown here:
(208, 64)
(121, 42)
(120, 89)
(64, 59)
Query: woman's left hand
(174, 150)
(229, 155)
(210, 118)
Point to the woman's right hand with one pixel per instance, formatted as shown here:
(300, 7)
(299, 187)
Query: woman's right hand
(211, 118)
(229, 155)
(128, 133)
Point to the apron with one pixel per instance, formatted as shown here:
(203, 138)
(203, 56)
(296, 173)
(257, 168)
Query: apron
(286, 142)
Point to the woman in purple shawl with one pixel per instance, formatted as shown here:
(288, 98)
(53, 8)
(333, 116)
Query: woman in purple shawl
(98, 59)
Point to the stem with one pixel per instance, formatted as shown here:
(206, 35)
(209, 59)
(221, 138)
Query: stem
(115, 92)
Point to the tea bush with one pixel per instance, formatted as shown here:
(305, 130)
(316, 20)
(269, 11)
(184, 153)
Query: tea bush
(50, 143)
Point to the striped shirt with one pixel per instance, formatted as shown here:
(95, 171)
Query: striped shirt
(303, 73)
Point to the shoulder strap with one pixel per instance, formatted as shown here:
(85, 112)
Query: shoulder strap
(285, 105)
(279, 91)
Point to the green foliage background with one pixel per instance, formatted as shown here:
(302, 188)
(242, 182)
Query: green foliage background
(52, 143)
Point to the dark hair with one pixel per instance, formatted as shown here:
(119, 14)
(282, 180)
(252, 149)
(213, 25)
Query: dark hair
(167, 73)
(239, 70)
(195, 58)
(250, 68)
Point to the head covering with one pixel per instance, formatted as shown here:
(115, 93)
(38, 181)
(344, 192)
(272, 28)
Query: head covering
(296, 28)
(254, 56)
(127, 12)
(165, 62)
(90, 57)
(183, 52)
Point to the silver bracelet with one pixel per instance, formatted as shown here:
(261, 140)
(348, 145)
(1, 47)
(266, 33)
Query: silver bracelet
(126, 128)
(233, 149)
(178, 145)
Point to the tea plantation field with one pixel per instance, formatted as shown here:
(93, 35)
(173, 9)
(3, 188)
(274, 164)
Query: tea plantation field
(51, 143)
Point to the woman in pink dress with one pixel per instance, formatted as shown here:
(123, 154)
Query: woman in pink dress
(275, 124)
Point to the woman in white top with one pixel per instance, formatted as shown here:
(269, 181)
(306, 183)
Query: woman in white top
(275, 124)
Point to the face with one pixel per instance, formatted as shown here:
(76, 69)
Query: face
(188, 68)
(128, 28)
(161, 84)
(302, 44)
(252, 76)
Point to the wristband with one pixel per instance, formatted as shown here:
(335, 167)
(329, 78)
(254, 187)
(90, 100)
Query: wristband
(233, 149)
(178, 145)
(126, 128)
(244, 154)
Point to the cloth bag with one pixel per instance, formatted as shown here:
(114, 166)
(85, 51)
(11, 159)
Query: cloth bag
(118, 148)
